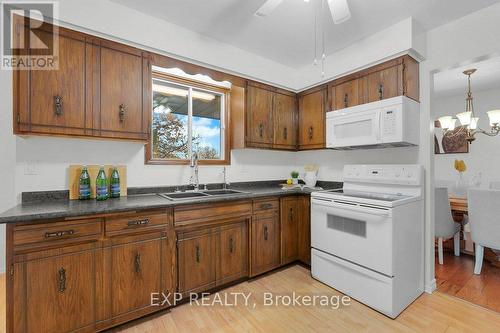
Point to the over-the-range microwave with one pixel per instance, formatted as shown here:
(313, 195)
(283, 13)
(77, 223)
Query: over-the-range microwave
(392, 122)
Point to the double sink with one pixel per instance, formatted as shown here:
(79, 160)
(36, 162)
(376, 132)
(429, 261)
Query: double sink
(199, 194)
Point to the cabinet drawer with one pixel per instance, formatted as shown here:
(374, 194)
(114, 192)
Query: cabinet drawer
(209, 214)
(46, 233)
(137, 222)
(265, 205)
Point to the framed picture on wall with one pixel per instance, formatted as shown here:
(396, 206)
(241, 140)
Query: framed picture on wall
(451, 142)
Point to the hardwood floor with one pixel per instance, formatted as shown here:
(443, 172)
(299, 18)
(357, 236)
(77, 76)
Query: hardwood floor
(429, 313)
(456, 278)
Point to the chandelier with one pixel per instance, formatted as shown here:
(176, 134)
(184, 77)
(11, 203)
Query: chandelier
(468, 119)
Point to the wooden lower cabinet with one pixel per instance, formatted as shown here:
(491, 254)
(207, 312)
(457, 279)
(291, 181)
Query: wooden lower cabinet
(55, 293)
(196, 259)
(233, 253)
(265, 244)
(138, 266)
(289, 229)
(304, 228)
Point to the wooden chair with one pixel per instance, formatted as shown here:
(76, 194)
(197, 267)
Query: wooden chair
(484, 216)
(445, 227)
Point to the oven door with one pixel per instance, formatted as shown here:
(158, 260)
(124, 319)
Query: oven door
(361, 234)
(357, 129)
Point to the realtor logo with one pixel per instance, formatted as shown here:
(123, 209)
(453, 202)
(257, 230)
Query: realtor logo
(29, 40)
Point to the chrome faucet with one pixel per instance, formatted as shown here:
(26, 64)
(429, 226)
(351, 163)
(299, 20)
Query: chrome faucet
(193, 164)
(226, 183)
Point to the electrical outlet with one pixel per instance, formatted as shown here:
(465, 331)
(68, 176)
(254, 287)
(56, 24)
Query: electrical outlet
(31, 168)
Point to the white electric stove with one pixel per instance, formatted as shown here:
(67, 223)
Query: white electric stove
(367, 238)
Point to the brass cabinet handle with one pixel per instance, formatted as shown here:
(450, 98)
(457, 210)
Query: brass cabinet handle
(137, 223)
(404, 80)
(266, 206)
(231, 245)
(290, 215)
(59, 233)
(346, 100)
(310, 133)
(381, 91)
(137, 263)
(58, 105)
(285, 133)
(62, 280)
(266, 235)
(121, 113)
(261, 130)
(197, 254)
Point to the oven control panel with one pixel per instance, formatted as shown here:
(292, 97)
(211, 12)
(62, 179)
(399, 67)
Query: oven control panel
(404, 174)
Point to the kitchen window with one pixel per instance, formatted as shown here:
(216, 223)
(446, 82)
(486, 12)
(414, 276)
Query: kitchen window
(187, 116)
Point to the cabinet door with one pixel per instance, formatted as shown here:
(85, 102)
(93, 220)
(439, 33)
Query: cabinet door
(55, 294)
(383, 84)
(121, 107)
(137, 270)
(264, 243)
(196, 259)
(233, 253)
(347, 94)
(312, 119)
(304, 222)
(289, 230)
(284, 119)
(57, 97)
(259, 117)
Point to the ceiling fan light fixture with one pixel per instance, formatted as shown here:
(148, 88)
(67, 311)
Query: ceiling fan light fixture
(267, 8)
(339, 10)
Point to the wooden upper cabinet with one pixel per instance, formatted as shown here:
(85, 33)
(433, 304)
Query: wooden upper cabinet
(285, 121)
(347, 94)
(383, 84)
(312, 118)
(121, 92)
(259, 117)
(53, 101)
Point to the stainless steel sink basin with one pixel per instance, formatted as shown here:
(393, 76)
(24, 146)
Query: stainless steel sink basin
(222, 192)
(183, 195)
(199, 194)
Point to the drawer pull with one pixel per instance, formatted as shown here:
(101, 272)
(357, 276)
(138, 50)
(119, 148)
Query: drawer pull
(62, 280)
(311, 133)
(346, 100)
(231, 245)
(381, 91)
(137, 263)
(266, 234)
(137, 223)
(197, 254)
(58, 105)
(261, 130)
(266, 206)
(285, 133)
(59, 233)
(121, 113)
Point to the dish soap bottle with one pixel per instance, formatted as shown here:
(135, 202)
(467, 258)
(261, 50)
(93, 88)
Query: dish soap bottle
(101, 185)
(84, 184)
(114, 191)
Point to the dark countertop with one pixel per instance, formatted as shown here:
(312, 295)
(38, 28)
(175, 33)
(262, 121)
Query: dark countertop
(52, 209)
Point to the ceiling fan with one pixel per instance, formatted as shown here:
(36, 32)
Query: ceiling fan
(338, 8)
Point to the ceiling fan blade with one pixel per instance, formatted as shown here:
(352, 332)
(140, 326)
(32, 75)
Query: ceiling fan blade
(339, 10)
(267, 7)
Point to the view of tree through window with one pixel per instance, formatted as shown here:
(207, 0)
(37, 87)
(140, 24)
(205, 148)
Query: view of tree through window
(172, 119)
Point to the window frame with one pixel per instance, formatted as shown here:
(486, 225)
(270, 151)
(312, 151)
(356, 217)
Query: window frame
(225, 124)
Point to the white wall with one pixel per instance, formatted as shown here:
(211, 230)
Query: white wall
(484, 153)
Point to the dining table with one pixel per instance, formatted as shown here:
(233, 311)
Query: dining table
(459, 209)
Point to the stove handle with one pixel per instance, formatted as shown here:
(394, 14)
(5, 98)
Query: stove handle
(338, 207)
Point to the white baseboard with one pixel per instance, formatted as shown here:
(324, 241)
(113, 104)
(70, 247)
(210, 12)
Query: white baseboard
(430, 286)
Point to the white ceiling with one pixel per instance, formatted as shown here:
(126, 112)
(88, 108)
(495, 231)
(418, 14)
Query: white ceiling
(453, 82)
(287, 34)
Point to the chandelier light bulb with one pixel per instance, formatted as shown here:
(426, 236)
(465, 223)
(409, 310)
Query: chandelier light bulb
(465, 118)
